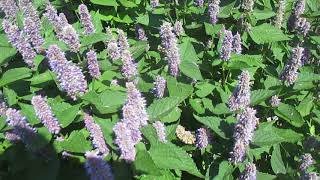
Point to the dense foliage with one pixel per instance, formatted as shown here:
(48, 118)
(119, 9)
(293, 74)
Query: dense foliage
(170, 89)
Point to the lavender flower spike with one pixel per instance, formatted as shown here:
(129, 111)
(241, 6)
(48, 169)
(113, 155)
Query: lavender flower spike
(44, 113)
(20, 127)
(93, 65)
(160, 86)
(161, 131)
(199, 3)
(124, 141)
(290, 72)
(247, 5)
(97, 168)
(134, 112)
(213, 11)
(85, 18)
(240, 98)
(112, 46)
(69, 75)
(10, 9)
(250, 172)
(280, 13)
(129, 67)
(140, 33)
(32, 24)
(170, 46)
(96, 134)
(243, 133)
(71, 38)
(18, 41)
(154, 3)
(306, 161)
(122, 40)
(275, 101)
(178, 29)
(227, 47)
(237, 43)
(203, 138)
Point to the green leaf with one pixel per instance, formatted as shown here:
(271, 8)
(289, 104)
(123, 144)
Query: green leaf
(28, 111)
(66, 116)
(10, 95)
(276, 161)
(204, 89)
(138, 48)
(265, 176)
(127, 4)
(189, 60)
(41, 78)
(144, 163)
(260, 95)
(306, 105)
(7, 48)
(238, 61)
(290, 114)
(196, 104)
(162, 106)
(264, 14)
(170, 156)
(212, 30)
(267, 33)
(105, 2)
(178, 89)
(76, 142)
(268, 135)
(93, 38)
(173, 116)
(213, 123)
(14, 74)
(224, 173)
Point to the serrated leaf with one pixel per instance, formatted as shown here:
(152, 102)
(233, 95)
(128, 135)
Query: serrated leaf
(172, 116)
(14, 74)
(127, 4)
(276, 161)
(76, 142)
(66, 116)
(263, 14)
(170, 156)
(213, 123)
(204, 89)
(10, 95)
(290, 114)
(178, 89)
(28, 111)
(93, 38)
(260, 95)
(265, 176)
(266, 33)
(268, 135)
(144, 163)
(7, 48)
(244, 61)
(189, 58)
(306, 105)
(41, 78)
(105, 3)
(162, 106)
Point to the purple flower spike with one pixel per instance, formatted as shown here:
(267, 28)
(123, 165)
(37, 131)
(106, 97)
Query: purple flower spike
(71, 38)
(10, 9)
(112, 46)
(124, 141)
(306, 161)
(69, 75)
(20, 127)
(161, 131)
(85, 18)
(169, 45)
(290, 72)
(96, 134)
(93, 65)
(32, 24)
(178, 28)
(44, 113)
(16, 38)
(203, 138)
(160, 86)
(140, 33)
(129, 67)
(213, 11)
(199, 3)
(243, 133)
(280, 13)
(240, 98)
(154, 3)
(237, 43)
(134, 112)
(275, 101)
(122, 40)
(227, 46)
(97, 168)
(249, 173)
